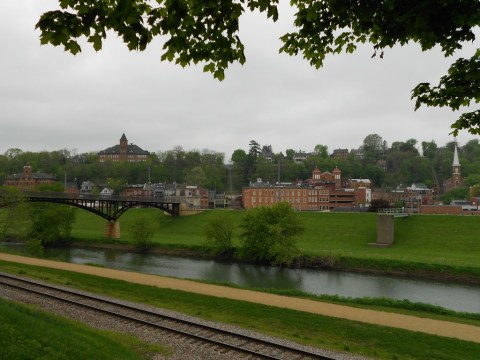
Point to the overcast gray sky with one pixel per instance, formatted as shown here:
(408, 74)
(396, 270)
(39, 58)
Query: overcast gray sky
(51, 100)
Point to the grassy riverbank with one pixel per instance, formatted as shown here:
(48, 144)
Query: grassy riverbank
(321, 331)
(435, 246)
(27, 333)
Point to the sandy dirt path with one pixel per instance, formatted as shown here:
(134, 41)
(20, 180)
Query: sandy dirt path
(412, 323)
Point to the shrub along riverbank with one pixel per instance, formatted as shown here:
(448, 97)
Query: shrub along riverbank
(431, 246)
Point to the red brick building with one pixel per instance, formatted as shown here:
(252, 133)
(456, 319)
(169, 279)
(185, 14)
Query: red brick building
(412, 197)
(123, 152)
(28, 180)
(322, 192)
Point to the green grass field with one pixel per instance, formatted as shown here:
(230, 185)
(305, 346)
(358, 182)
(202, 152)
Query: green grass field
(321, 331)
(26, 333)
(438, 242)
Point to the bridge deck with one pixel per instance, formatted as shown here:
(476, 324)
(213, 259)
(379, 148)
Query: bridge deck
(110, 208)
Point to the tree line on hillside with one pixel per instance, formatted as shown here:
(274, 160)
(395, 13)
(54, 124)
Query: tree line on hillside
(403, 162)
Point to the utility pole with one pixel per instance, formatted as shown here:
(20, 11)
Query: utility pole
(278, 171)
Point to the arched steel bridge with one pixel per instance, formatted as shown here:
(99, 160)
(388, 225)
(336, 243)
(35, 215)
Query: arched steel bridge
(110, 208)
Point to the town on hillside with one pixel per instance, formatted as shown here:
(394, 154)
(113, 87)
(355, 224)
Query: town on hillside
(439, 180)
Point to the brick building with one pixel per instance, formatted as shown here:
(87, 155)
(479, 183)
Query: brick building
(340, 153)
(322, 192)
(192, 196)
(28, 180)
(123, 152)
(412, 197)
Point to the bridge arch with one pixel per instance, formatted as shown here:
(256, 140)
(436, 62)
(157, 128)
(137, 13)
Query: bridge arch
(108, 208)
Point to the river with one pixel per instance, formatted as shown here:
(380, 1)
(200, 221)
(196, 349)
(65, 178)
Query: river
(456, 297)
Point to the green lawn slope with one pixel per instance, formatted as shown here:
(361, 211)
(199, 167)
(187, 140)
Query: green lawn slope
(429, 243)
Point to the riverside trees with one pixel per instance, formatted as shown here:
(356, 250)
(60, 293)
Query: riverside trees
(269, 234)
(50, 223)
(12, 203)
(207, 32)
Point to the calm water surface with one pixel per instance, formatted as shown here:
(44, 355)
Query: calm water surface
(452, 296)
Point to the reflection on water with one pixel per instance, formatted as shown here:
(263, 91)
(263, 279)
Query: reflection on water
(452, 296)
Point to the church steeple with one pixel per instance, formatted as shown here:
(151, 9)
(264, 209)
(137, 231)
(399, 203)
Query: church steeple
(455, 156)
(456, 174)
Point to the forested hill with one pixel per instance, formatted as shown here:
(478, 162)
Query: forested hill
(403, 162)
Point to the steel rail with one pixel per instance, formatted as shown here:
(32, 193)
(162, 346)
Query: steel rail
(248, 340)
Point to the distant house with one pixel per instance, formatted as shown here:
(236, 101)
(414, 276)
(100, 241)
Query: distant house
(86, 188)
(71, 188)
(267, 153)
(28, 180)
(106, 192)
(359, 183)
(340, 153)
(192, 196)
(412, 197)
(301, 156)
(358, 153)
(123, 152)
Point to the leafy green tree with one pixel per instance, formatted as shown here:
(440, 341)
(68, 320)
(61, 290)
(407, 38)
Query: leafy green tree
(12, 208)
(372, 147)
(196, 176)
(254, 148)
(475, 190)
(239, 156)
(265, 170)
(239, 171)
(219, 232)
(290, 153)
(460, 193)
(321, 150)
(269, 234)
(55, 187)
(142, 231)
(471, 180)
(407, 146)
(377, 204)
(458, 89)
(12, 153)
(207, 32)
(429, 148)
(51, 223)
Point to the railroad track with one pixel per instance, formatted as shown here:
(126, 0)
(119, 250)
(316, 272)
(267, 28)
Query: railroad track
(224, 341)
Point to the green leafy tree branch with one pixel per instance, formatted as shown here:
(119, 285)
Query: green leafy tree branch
(207, 32)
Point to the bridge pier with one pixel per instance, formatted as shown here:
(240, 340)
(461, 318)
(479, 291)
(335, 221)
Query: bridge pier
(385, 230)
(112, 230)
